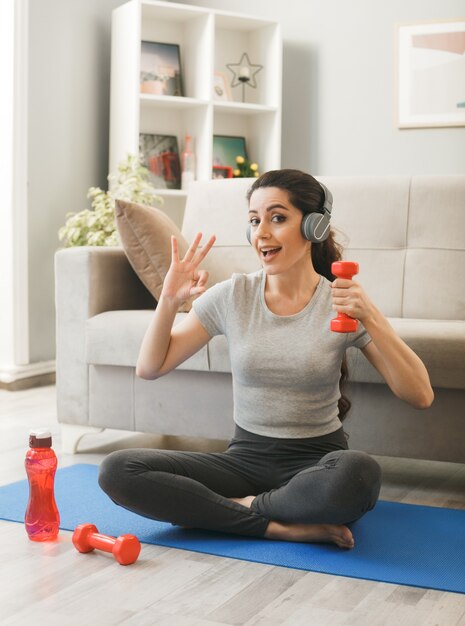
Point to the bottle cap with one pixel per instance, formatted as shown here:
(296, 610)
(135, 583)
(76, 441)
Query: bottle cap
(40, 439)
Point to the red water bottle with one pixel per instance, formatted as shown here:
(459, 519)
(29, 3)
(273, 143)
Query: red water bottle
(42, 519)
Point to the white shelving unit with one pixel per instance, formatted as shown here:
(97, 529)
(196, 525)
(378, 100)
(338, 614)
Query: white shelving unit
(208, 40)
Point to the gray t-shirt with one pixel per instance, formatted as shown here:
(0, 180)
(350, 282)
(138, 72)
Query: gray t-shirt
(285, 369)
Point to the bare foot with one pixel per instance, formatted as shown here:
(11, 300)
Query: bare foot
(247, 501)
(309, 533)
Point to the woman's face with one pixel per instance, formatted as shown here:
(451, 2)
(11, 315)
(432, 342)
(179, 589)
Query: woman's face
(275, 230)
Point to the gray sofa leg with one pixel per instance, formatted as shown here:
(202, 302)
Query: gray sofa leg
(71, 435)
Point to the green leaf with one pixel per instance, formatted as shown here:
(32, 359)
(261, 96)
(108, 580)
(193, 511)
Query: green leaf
(96, 226)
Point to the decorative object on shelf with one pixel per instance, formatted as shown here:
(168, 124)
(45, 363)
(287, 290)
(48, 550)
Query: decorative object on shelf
(187, 163)
(430, 71)
(160, 155)
(160, 69)
(244, 73)
(96, 226)
(221, 90)
(222, 171)
(245, 169)
(226, 149)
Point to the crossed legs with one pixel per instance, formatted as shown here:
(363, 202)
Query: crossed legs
(213, 491)
(317, 502)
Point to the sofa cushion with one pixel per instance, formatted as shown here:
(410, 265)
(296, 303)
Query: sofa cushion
(440, 344)
(220, 207)
(370, 215)
(145, 233)
(115, 337)
(436, 249)
(434, 285)
(437, 213)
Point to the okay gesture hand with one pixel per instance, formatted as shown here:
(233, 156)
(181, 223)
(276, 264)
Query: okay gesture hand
(184, 279)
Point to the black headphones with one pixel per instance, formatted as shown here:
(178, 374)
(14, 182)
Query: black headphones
(315, 225)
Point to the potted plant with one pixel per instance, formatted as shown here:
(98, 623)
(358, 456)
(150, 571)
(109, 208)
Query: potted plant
(96, 226)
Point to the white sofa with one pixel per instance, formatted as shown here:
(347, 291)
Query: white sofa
(408, 235)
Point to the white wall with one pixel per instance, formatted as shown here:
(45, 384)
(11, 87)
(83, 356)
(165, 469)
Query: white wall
(337, 109)
(338, 86)
(69, 69)
(14, 339)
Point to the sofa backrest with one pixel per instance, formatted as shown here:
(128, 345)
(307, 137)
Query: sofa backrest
(434, 282)
(220, 207)
(407, 234)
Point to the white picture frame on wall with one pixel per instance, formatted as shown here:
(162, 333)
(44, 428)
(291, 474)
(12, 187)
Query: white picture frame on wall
(430, 74)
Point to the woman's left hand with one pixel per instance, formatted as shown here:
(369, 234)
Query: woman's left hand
(349, 297)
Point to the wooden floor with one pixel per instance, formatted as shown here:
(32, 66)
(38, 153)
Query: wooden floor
(48, 584)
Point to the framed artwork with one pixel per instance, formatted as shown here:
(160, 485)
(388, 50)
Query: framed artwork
(160, 69)
(431, 74)
(221, 90)
(160, 155)
(219, 171)
(226, 149)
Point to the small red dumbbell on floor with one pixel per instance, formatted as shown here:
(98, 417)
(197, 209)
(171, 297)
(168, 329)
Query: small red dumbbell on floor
(344, 323)
(125, 549)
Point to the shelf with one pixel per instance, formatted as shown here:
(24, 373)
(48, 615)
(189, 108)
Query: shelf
(180, 102)
(208, 41)
(170, 11)
(243, 108)
(171, 102)
(240, 22)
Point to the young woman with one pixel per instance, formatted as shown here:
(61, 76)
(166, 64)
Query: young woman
(287, 474)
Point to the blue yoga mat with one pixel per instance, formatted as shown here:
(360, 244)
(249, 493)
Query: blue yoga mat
(420, 546)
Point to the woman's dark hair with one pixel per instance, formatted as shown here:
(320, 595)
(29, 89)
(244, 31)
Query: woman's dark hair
(307, 195)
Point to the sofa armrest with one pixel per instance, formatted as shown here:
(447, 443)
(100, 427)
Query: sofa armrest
(88, 281)
(105, 281)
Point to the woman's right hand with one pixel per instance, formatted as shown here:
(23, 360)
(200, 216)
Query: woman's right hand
(184, 279)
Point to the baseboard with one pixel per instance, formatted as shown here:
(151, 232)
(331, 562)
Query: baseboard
(27, 376)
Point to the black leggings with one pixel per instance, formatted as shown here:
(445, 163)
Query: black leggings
(313, 480)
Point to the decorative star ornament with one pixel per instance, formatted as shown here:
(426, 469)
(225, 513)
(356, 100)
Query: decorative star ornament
(244, 71)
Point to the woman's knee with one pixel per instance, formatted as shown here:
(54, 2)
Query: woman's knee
(363, 465)
(112, 472)
(358, 481)
(359, 466)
